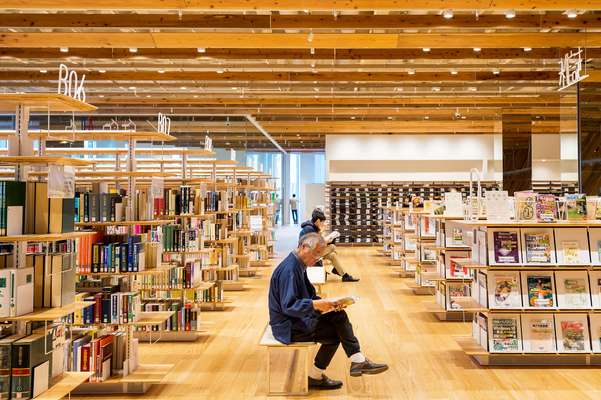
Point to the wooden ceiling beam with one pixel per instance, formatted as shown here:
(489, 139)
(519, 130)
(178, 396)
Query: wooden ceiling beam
(288, 54)
(295, 5)
(553, 20)
(298, 40)
(320, 76)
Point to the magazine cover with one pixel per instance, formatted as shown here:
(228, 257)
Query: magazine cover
(539, 333)
(540, 290)
(456, 270)
(572, 335)
(576, 292)
(507, 292)
(538, 247)
(571, 252)
(546, 207)
(505, 335)
(506, 247)
(525, 205)
(576, 206)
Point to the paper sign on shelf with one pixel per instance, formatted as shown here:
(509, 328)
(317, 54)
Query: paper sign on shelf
(157, 187)
(453, 203)
(61, 182)
(497, 205)
(256, 223)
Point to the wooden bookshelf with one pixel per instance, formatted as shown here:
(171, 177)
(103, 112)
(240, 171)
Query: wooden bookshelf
(48, 237)
(42, 102)
(64, 385)
(47, 160)
(122, 223)
(51, 314)
(136, 382)
(99, 135)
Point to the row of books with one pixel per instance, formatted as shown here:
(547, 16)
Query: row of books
(178, 239)
(101, 205)
(178, 201)
(121, 255)
(185, 317)
(177, 277)
(568, 289)
(109, 308)
(564, 246)
(538, 333)
(41, 214)
(531, 206)
(216, 201)
(213, 231)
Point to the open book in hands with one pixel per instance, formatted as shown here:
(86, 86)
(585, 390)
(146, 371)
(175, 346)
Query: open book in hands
(331, 237)
(343, 302)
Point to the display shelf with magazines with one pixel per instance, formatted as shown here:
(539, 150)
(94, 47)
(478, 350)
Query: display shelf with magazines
(538, 285)
(404, 242)
(386, 236)
(425, 251)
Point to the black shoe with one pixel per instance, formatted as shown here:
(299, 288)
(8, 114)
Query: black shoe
(349, 278)
(367, 367)
(335, 271)
(324, 383)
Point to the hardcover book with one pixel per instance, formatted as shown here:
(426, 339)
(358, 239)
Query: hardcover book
(539, 289)
(539, 333)
(572, 333)
(538, 247)
(505, 333)
(546, 207)
(506, 249)
(505, 289)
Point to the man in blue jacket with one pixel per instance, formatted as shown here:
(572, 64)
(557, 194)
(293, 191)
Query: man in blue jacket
(297, 314)
(315, 225)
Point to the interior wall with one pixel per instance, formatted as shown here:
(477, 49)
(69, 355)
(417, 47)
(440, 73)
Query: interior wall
(412, 157)
(314, 195)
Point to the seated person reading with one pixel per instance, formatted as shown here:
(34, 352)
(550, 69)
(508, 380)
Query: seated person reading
(297, 314)
(315, 225)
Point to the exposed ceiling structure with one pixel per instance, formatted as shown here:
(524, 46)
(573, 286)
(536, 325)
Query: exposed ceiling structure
(306, 69)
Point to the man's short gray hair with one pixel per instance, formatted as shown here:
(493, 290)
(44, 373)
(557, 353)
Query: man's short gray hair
(311, 240)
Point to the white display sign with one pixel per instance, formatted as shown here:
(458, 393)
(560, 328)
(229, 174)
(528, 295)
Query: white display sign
(61, 182)
(208, 143)
(570, 68)
(453, 204)
(164, 124)
(498, 207)
(256, 223)
(69, 84)
(232, 154)
(157, 187)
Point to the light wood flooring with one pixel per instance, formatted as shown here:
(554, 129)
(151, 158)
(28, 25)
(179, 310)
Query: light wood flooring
(393, 327)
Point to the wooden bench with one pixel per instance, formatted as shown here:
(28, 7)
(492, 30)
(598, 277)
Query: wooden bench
(301, 351)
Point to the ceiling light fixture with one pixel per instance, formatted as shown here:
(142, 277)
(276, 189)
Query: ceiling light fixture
(161, 71)
(64, 49)
(201, 49)
(472, 89)
(496, 71)
(220, 71)
(571, 13)
(183, 88)
(509, 14)
(312, 50)
(132, 88)
(453, 72)
(477, 49)
(427, 117)
(102, 71)
(447, 14)
(43, 71)
(411, 72)
(426, 49)
(148, 95)
(101, 95)
(527, 49)
(310, 37)
(133, 49)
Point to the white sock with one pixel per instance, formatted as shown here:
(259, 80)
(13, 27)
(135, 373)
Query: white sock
(316, 373)
(357, 358)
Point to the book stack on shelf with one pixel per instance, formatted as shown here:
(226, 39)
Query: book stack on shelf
(386, 237)
(354, 207)
(537, 283)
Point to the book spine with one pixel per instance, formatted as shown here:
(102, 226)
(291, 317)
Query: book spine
(21, 372)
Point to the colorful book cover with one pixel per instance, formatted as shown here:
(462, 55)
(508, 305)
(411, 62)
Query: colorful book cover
(505, 335)
(572, 333)
(546, 207)
(526, 205)
(576, 293)
(507, 291)
(571, 252)
(542, 334)
(456, 270)
(506, 247)
(576, 206)
(538, 247)
(540, 290)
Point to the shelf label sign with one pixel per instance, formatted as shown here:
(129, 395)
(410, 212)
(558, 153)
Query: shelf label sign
(157, 187)
(69, 84)
(164, 124)
(256, 223)
(570, 68)
(208, 143)
(61, 182)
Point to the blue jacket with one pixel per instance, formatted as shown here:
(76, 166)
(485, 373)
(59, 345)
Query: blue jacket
(290, 300)
(308, 227)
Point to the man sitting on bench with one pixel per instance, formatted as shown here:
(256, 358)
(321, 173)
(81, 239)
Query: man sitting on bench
(297, 314)
(315, 225)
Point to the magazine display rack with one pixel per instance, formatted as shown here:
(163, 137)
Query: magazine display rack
(538, 286)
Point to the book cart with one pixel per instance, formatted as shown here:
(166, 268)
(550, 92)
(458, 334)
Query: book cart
(538, 285)
(57, 313)
(454, 282)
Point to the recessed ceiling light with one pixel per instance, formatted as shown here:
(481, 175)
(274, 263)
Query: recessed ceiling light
(389, 117)
(355, 89)
(571, 13)
(220, 71)
(448, 14)
(312, 65)
(183, 88)
(353, 117)
(132, 88)
(133, 49)
(100, 95)
(234, 88)
(526, 49)
(510, 14)
(64, 49)
(472, 88)
(496, 71)
(310, 37)
(411, 72)
(477, 49)
(426, 49)
(161, 71)
(312, 50)
(43, 71)
(201, 49)
(195, 96)
(102, 71)
(148, 95)
(436, 89)
(427, 117)
(453, 72)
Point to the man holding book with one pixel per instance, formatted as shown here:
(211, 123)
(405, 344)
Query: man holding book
(297, 314)
(315, 225)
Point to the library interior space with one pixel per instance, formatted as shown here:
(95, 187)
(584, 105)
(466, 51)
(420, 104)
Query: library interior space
(332, 199)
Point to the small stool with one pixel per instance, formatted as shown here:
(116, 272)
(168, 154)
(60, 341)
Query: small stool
(299, 349)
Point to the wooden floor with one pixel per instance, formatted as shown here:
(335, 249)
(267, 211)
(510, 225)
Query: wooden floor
(393, 327)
